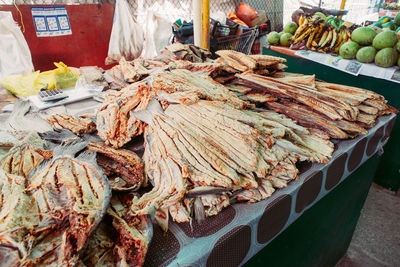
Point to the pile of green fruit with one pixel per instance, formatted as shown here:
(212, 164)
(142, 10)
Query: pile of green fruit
(368, 46)
(283, 38)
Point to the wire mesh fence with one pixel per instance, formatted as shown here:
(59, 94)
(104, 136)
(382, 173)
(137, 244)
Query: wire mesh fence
(358, 10)
(175, 9)
(55, 2)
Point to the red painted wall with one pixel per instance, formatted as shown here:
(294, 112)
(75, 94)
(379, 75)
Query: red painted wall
(88, 45)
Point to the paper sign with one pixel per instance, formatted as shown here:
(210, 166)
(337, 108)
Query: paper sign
(349, 66)
(51, 21)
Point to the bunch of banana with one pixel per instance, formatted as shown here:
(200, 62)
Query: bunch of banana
(320, 36)
(343, 36)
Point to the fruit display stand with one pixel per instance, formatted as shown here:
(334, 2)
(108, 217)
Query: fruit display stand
(388, 174)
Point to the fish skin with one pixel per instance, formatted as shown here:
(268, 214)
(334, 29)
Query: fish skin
(78, 126)
(244, 60)
(120, 239)
(124, 159)
(53, 199)
(239, 149)
(304, 119)
(197, 164)
(114, 124)
(23, 159)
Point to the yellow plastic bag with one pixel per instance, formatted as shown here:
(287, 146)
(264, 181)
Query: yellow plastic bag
(62, 77)
(46, 77)
(21, 85)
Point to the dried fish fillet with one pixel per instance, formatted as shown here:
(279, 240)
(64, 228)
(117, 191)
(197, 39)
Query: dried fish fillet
(121, 239)
(213, 204)
(260, 98)
(123, 167)
(23, 159)
(204, 87)
(115, 123)
(303, 80)
(77, 126)
(58, 209)
(237, 60)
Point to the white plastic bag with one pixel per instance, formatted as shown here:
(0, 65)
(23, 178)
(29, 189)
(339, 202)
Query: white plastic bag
(158, 34)
(126, 35)
(15, 56)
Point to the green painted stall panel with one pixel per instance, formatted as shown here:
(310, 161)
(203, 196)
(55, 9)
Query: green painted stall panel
(322, 234)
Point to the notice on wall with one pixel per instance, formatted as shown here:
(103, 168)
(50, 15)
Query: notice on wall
(51, 21)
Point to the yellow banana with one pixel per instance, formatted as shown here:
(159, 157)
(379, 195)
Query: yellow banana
(334, 38)
(314, 44)
(345, 37)
(301, 20)
(318, 35)
(339, 39)
(303, 35)
(300, 30)
(310, 39)
(323, 38)
(328, 38)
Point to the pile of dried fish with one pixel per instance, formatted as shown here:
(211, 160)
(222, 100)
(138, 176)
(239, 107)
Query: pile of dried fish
(20, 124)
(340, 111)
(211, 148)
(116, 124)
(181, 80)
(206, 145)
(52, 210)
(230, 63)
(187, 52)
(194, 59)
(129, 72)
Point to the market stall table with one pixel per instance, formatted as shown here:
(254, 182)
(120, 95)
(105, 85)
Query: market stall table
(235, 235)
(388, 174)
(311, 220)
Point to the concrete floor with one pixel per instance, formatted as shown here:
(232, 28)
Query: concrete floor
(376, 241)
